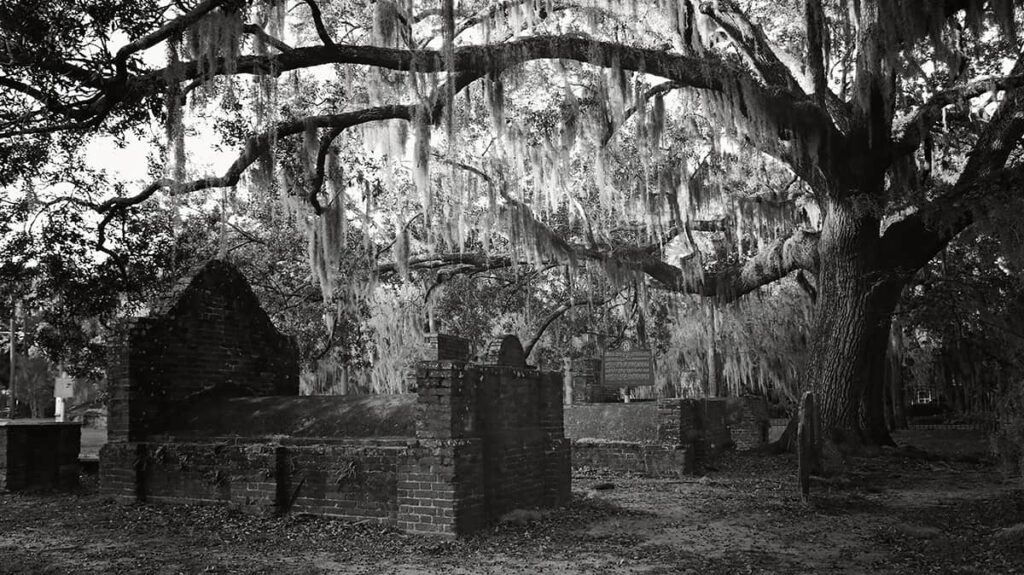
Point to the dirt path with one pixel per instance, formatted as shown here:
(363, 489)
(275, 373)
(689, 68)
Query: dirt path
(889, 514)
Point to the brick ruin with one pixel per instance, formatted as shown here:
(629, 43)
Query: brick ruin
(205, 409)
(38, 454)
(663, 438)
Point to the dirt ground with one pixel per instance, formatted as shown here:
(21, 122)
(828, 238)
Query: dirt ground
(906, 512)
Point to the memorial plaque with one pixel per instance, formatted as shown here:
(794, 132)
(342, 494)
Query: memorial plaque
(628, 368)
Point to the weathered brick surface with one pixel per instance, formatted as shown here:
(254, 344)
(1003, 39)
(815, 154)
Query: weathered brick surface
(660, 439)
(488, 439)
(586, 382)
(494, 436)
(748, 422)
(650, 459)
(440, 487)
(36, 454)
(210, 337)
(353, 480)
(698, 422)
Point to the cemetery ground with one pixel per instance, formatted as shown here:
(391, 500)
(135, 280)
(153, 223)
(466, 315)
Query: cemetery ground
(939, 506)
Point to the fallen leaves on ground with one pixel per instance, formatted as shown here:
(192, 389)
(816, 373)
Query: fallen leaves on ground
(899, 512)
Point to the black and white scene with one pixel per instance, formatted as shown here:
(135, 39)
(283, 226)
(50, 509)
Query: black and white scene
(459, 287)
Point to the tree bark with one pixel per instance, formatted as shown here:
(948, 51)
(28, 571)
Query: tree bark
(840, 350)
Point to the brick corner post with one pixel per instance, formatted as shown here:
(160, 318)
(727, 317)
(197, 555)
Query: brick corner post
(441, 478)
(558, 450)
(674, 453)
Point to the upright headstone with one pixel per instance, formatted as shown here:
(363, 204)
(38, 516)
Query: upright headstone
(808, 436)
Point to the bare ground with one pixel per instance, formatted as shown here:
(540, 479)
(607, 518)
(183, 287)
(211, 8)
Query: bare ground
(900, 512)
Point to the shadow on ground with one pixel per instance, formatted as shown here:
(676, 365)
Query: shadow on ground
(901, 512)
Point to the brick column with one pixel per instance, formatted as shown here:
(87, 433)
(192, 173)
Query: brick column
(675, 453)
(669, 421)
(586, 381)
(440, 481)
(128, 406)
(558, 450)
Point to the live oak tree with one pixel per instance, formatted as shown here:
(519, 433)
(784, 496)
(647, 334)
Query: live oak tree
(490, 135)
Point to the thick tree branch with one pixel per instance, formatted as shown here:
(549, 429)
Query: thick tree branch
(910, 130)
(176, 26)
(817, 43)
(558, 312)
(255, 30)
(705, 72)
(910, 243)
(318, 22)
(785, 255)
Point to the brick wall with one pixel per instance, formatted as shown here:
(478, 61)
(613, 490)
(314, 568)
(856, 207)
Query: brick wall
(441, 346)
(748, 421)
(491, 440)
(663, 438)
(636, 421)
(39, 454)
(650, 459)
(586, 383)
(701, 423)
(488, 439)
(208, 337)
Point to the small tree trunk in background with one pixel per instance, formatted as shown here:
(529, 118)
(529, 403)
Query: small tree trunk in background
(11, 394)
(894, 376)
(883, 304)
(714, 388)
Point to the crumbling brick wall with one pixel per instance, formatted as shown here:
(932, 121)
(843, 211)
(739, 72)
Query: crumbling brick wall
(208, 337)
(38, 454)
(485, 439)
(492, 437)
(662, 439)
(748, 421)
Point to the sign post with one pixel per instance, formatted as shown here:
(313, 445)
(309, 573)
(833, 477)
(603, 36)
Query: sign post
(63, 388)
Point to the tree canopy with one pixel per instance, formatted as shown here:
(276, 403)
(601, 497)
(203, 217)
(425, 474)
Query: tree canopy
(710, 148)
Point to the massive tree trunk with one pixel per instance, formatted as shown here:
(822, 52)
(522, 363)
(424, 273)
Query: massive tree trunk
(840, 351)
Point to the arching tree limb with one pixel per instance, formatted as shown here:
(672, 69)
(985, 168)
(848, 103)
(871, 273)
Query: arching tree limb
(558, 312)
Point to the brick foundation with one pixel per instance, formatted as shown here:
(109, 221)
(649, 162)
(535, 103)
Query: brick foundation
(748, 422)
(39, 454)
(658, 439)
(217, 421)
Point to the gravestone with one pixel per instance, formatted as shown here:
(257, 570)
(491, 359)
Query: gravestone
(808, 438)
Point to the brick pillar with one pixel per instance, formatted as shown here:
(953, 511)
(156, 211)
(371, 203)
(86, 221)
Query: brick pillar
(557, 450)
(586, 381)
(675, 453)
(669, 421)
(129, 407)
(437, 347)
(441, 480)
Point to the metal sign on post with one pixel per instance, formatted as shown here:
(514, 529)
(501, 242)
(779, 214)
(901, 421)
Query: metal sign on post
(628, 368)
(64, 386)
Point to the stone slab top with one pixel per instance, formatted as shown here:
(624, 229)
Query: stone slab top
(36, 423)
(302, 416)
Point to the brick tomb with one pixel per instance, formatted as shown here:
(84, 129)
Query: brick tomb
(206, 410)
(666, 438)
(38, 453)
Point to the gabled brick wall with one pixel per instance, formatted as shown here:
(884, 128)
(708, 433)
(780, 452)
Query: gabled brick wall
(487, 438)
(208, 337)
